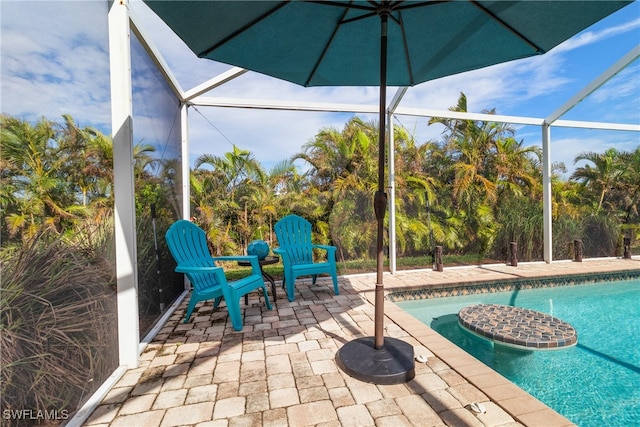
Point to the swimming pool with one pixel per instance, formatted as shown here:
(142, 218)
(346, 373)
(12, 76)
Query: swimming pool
(597, 382)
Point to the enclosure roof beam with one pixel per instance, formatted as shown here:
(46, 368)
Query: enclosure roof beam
(395, 102)
(596, 125)
(264, 104)
(213, 83)
(460, 115)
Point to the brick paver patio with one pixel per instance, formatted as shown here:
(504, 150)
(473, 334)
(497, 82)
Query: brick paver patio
(280, 369)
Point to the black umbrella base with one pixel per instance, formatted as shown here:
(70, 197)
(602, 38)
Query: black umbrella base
(393, 364)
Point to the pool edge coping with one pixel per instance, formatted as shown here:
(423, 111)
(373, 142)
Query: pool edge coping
(396, 294)
(518, 403)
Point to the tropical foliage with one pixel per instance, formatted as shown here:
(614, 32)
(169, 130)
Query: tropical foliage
(58, 328)
(473, 192)
(57, 296)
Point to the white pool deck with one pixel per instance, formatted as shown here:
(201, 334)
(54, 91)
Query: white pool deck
(280, 370)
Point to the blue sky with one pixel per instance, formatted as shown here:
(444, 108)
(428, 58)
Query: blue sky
(54, 61)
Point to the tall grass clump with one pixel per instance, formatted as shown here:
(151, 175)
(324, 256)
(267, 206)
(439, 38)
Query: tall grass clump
(57, 321)
(603, 236)
(521, 222)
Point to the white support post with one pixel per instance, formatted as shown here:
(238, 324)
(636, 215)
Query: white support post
(547, 205)
(184, 150)
(125, 214)
(393, 105)
(186, 173)
(392, 197)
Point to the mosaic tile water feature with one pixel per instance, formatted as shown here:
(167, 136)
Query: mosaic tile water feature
(518, 327)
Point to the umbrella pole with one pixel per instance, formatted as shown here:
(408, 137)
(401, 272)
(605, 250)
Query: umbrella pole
(380, 199)
(374, 359)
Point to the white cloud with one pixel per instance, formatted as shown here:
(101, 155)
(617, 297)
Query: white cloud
(55, 61)
(565, 148)
(590, 37)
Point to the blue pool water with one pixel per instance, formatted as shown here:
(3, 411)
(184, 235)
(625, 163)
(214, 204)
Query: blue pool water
(597, 382)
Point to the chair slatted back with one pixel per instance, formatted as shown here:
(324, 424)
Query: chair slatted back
(294, 236)
(188, 244)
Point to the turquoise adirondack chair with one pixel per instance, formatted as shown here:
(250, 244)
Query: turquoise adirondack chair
(188, 246)
(296, 249)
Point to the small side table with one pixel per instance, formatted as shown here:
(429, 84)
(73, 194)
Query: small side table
(272, 259)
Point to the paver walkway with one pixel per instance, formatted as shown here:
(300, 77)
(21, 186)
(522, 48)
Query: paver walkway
(280, 369)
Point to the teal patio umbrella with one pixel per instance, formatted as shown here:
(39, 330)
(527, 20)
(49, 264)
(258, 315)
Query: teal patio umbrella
(375, 43)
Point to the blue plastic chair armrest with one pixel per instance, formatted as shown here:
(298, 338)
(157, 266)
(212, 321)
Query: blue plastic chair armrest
(234, 258)
(283, 253)
(216, 271)
(325, 247)
(194, 269)
(330, 249)
(255, 267)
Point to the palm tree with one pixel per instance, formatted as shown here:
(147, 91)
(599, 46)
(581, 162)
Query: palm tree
(283, 182)
(472, 146)
(416, 190)
(169, 179)
(35, 192)
(285, 178)
(235, 167)
(235, 198)
(145, 165)
(471, 143)
(346, 157)
(213, 209)
(342, 177)
(629, 183)
(624, 197)
(514, 168)
(87, 160)
(607, 169)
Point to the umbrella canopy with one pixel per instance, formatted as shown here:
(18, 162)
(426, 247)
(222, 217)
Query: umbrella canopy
(368, 43)
(337, 43)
